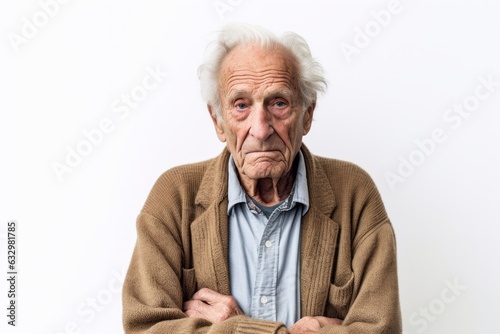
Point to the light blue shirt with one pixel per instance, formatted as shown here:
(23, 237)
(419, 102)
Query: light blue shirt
(264, 252)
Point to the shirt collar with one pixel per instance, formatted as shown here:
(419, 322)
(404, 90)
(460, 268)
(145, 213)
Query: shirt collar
(300, 191)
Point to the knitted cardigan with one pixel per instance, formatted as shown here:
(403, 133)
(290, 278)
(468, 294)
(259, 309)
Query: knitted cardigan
(348, 252)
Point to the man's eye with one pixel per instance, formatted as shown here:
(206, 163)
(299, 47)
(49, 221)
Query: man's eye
(241, 106)
(279, 104)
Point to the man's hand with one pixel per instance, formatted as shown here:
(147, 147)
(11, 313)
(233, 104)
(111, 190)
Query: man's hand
(309, 325)
(212, 306)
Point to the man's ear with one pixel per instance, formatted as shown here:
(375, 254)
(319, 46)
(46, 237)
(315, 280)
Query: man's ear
(308, 118)
(217, 124)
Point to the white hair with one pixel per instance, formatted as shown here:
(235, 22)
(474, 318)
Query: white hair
(310, 73)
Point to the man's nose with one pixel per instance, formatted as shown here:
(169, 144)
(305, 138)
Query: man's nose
(261, 127)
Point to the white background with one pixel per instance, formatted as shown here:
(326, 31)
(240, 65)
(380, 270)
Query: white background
(76, 235)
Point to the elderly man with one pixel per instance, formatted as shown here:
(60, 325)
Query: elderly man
(266, 237)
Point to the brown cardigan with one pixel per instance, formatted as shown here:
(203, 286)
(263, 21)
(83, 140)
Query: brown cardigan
(348, 252)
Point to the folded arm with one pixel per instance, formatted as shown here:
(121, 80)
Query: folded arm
(154, 299)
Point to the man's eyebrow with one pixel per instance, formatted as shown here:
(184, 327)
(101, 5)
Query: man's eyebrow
(237, 93)
(282, 92)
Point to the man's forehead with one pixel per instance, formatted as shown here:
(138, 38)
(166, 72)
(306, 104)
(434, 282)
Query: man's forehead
(253, 65)
(254, 57)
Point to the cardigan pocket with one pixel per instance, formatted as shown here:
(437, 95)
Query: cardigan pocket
(339, 299)
(188, 283)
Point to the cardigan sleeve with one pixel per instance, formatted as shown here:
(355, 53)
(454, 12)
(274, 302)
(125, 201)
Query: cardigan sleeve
(154, 288)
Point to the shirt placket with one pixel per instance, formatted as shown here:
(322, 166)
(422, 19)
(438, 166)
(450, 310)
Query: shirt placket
(264, 297)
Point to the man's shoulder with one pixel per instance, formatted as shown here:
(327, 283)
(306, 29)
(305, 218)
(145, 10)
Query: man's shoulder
(184, 176)
(341, 171)
(354, 192)
(181, 184)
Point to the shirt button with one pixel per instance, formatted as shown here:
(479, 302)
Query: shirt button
(268, 243)
(263, 300)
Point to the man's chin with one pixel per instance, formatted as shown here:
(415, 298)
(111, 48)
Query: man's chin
(265, 170)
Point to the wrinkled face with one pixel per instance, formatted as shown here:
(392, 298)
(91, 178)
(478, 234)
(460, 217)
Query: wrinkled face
(262, 117)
